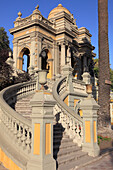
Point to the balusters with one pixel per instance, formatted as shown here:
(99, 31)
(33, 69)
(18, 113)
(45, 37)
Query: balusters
(81, 134)
(71, 129)
(15, 130)
(67, 125)
(23, 138)
(28, 140)
(12, 127)
(61, 117)
(2, 121)
(19, 133)
(9, 124)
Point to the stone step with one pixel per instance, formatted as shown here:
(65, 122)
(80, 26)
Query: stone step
(23, 108)
(26, 99)
(61, 137)
(21, 104)
(65, 140)
(62, 159)
(58, 132)
(73, 164)
(66, 151)
(64, 146)
(24, 111)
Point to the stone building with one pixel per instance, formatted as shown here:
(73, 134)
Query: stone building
(58, 37)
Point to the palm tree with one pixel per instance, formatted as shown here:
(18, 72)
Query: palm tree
(104, 68)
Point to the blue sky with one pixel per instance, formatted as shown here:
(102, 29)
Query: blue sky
(85, 12)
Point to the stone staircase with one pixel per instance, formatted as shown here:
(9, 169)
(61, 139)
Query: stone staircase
(66, 153)
(23, 107)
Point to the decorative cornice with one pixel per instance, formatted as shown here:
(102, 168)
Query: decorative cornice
(34, 22)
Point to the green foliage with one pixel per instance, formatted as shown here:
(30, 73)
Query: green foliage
(4, 41)
(96, 69)
(101, 138)
(111, 78)
(22, 77)
(5, 69)
(96, 72)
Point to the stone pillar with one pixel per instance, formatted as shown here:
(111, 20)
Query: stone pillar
(89, 108)
(62, 55)
(42, 132)
(67, 71)
(15, 53)
(68, 56)
(32, 56)
(56, 60)
(39, 51)
(84, 63)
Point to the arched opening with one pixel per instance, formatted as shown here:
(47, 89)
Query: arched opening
(47, 62)
(23, 61)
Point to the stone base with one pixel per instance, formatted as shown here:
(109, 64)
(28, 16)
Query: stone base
(36, 165)
(91, 150)
(31, 70)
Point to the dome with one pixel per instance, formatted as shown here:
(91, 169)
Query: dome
(56, 10)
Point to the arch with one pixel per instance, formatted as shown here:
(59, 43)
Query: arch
(47, 62)
(20, 60)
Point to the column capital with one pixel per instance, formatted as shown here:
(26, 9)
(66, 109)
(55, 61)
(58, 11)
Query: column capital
(15, 41)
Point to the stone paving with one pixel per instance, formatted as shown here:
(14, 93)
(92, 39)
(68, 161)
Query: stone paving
(105, 163)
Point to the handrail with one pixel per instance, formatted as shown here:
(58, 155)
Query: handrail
(69, 118)
(61, 104)
(14, 125)
(4, 97)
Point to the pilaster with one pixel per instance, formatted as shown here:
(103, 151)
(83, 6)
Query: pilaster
(42, 127)
(15, 52)
(89, 108)
(63, 53)
(56, 59)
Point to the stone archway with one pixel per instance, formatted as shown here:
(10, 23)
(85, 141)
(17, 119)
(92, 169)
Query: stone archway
(20, 61)
(47, 62)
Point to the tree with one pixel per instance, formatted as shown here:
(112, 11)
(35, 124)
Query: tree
(96, 72)
(6, 72)
(5, 69)
(111, 78)
(104, 69)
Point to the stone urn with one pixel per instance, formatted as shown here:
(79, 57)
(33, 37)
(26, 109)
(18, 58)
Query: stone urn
(42, 77)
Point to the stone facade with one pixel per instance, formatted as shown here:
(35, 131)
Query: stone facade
(59, 35)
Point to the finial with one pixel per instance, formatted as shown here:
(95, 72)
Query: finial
(19, 14)
(37, 7)
(60, 5)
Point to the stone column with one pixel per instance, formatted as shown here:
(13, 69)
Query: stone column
(42, 132)
(84, 63)
(39, 51)
(62, 55)
(15, 52)
(32, 56)
(67, 71)
(68, 56)
(56, 59)
(89, 108)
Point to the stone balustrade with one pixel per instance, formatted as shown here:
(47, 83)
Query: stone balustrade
(16, 132)
(71, 121)
(79, 86)
(14, 128)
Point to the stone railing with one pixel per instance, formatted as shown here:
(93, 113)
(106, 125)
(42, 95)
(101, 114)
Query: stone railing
(71, 121)
(14, 128)
(79, 86)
